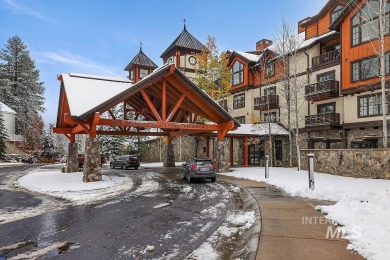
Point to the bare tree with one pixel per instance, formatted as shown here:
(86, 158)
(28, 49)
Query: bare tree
(292, 59)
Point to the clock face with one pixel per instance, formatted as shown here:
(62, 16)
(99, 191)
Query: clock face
(192, 60)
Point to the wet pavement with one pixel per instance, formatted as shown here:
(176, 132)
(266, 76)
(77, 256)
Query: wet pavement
(160, 210)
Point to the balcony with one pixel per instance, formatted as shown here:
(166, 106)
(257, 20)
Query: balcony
(322, 90)
(266, 102)
(325, 119)
(326, 59)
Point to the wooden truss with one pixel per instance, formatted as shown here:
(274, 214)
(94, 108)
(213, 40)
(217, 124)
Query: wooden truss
(165, 100)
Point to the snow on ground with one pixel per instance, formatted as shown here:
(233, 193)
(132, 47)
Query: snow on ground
(71, 187)
(158, 164)
(362, 205)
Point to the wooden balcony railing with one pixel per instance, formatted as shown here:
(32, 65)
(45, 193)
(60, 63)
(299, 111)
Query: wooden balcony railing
(325, 119)
(266, 102)
(322, 90)
(326, 58)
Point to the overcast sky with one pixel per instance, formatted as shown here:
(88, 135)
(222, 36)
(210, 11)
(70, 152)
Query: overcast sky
(101, 37)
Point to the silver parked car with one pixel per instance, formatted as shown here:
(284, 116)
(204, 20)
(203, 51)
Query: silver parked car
(198, 169)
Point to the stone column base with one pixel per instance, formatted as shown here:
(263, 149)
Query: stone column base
(170, 155)
(72, 164)
(92, 169)
(221, 157)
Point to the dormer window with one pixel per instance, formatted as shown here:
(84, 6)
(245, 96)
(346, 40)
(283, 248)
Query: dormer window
(336, 12)
(237, 73)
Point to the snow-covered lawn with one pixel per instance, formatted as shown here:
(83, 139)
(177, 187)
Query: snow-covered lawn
(70, 185)
(362, 208)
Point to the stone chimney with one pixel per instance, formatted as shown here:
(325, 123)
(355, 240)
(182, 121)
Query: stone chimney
(262, 44)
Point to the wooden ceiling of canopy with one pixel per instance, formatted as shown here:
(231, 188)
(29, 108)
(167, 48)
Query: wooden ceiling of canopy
(166, 99)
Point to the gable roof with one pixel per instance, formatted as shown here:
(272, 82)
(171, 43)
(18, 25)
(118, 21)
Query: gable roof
(322, 12)
(109, 92)
(248, 57)
(184, 40)
(142, 60)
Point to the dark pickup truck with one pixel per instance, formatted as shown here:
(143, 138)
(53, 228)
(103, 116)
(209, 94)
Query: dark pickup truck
(81, 158)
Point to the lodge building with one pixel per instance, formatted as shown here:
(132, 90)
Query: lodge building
(332, 73)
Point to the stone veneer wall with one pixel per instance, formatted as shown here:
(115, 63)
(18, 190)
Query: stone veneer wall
(361, 163)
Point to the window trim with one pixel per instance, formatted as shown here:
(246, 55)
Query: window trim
(359, 26)
(235, 102)
(333, 72)
(360, 67)
(240, 72)
(238, 119)
(265, 120)
(378, 94)
(333, 104)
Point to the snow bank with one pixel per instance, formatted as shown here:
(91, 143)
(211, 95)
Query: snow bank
(363, 205)
(70, 185)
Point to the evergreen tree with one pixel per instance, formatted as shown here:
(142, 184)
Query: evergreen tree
(212, 73)
(20, 87)
(48, 151)
(3, 135)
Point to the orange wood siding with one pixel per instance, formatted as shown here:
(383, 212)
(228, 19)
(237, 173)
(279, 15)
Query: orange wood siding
(311, 31)
(350, 54)
(261, 80)
(323, 24)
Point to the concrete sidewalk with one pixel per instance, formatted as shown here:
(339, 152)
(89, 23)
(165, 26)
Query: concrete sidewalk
(291, 228)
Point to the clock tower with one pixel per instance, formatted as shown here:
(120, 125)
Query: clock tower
(181, 52)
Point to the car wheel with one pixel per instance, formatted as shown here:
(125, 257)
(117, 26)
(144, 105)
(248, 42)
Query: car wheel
(124, 167)
(112, 166)
(183, 176)
(213, 179)
(136, 167)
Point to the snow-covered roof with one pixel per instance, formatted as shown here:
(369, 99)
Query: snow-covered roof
(259, 129)
(248, 56)
(6, 109)
(85, 92)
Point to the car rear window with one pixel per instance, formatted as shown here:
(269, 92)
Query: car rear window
(203, 162)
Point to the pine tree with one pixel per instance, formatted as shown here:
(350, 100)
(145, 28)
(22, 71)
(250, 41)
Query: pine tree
(3, 135)
(48, 151)
(20, 87)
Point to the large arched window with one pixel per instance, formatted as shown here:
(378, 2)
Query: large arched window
(237, 73)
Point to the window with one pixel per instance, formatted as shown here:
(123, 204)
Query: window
(325, 77)
(270, 117)
(256, 153)
(132, 74)
(278, 146)
(223, 104)
(368, 68)
(270, 91)
(326, 108)
(270, 70)
(371, 105)
(336, 12)
(365, 144)
(237, 74)
(365, 24)
(240, 119)
(239, 101)
(143, 73)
